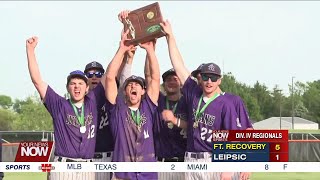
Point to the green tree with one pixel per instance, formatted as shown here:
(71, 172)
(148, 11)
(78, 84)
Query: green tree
(7, 117)
(311, 100)
(32, 115)
(261, 93)
(5, 101)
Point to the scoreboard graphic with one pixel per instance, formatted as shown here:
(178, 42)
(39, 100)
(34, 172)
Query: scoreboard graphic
(250, 146)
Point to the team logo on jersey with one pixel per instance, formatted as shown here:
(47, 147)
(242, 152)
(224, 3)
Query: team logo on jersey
(139, 126)
(146, 134)
(206, 119)
(73, 120)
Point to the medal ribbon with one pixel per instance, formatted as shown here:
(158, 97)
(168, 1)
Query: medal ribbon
(136, 117)
(168, 106)
(80, 118)
(199, 112)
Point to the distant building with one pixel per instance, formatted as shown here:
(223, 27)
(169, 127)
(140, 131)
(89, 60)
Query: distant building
(286, 123)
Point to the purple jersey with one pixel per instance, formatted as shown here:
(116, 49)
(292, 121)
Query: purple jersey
(133, 143)
(170, 141)
(241, 110)
(104, 140)
(70, 142)
(219, 115)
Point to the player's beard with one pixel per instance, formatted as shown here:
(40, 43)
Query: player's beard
(133, 101)
(172, 91)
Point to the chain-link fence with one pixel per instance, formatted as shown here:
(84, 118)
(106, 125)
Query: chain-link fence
(19, 136)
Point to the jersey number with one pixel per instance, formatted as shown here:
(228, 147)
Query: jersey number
(91, 132)
(104, 121)
(204, 134)
(183, 133)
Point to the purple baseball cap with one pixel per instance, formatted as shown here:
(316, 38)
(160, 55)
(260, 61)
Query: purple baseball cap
(197, 71)
(211, 68)
(167, 73)
(93, 65)
(77, 74)
(134, 78)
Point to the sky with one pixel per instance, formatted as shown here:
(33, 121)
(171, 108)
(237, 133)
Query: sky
(265, 41)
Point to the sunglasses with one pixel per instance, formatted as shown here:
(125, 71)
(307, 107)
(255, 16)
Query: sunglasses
(97, 74)
(213, 78)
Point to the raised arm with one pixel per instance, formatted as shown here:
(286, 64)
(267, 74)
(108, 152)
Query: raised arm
(111, 90)
(34, 71)
(126, 66)
(175, 56)
(125, 69)
(147, 73)
(153, 88)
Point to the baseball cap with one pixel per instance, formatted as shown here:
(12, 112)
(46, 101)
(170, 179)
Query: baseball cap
(93, 65)
(197, 71)
(78, 74)
(134, 78)
(211, 68)
(167, 73)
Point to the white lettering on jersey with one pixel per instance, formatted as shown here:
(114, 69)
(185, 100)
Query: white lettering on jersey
(146, 134)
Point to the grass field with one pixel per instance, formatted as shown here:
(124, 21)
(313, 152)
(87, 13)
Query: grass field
(283, 176)
(255, 176)
(304, 131)
(25, 176)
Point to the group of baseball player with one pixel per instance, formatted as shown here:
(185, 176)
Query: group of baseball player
(113, 116)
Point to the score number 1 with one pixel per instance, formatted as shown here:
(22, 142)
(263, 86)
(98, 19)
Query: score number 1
(277, 148)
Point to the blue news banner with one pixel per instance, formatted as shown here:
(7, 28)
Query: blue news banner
(240, 152)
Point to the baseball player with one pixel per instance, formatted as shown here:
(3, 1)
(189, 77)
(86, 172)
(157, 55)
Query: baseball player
(207, 110)
(240, 109)
(170, 140)
(74, 119)
(104, 149)
(132, 120)
(236, 101)
(104, 142)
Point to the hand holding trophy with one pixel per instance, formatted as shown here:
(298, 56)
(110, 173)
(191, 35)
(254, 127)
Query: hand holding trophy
(143, 24)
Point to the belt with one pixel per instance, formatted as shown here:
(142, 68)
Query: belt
(100, 155)
(199, 155)
(72, 160)
(174, 159)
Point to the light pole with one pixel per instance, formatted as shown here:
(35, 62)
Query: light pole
(279, 91)
(292, 103)
(280, 106)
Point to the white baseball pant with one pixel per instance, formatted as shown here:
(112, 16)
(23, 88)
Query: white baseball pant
(71, 175)
(203, 157)
(103, 157)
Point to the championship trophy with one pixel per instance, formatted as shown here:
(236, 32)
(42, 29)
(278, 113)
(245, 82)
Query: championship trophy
(144, 24)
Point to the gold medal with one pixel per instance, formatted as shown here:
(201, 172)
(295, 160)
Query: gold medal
(170, 125)
(82, 129)
(195, 124)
